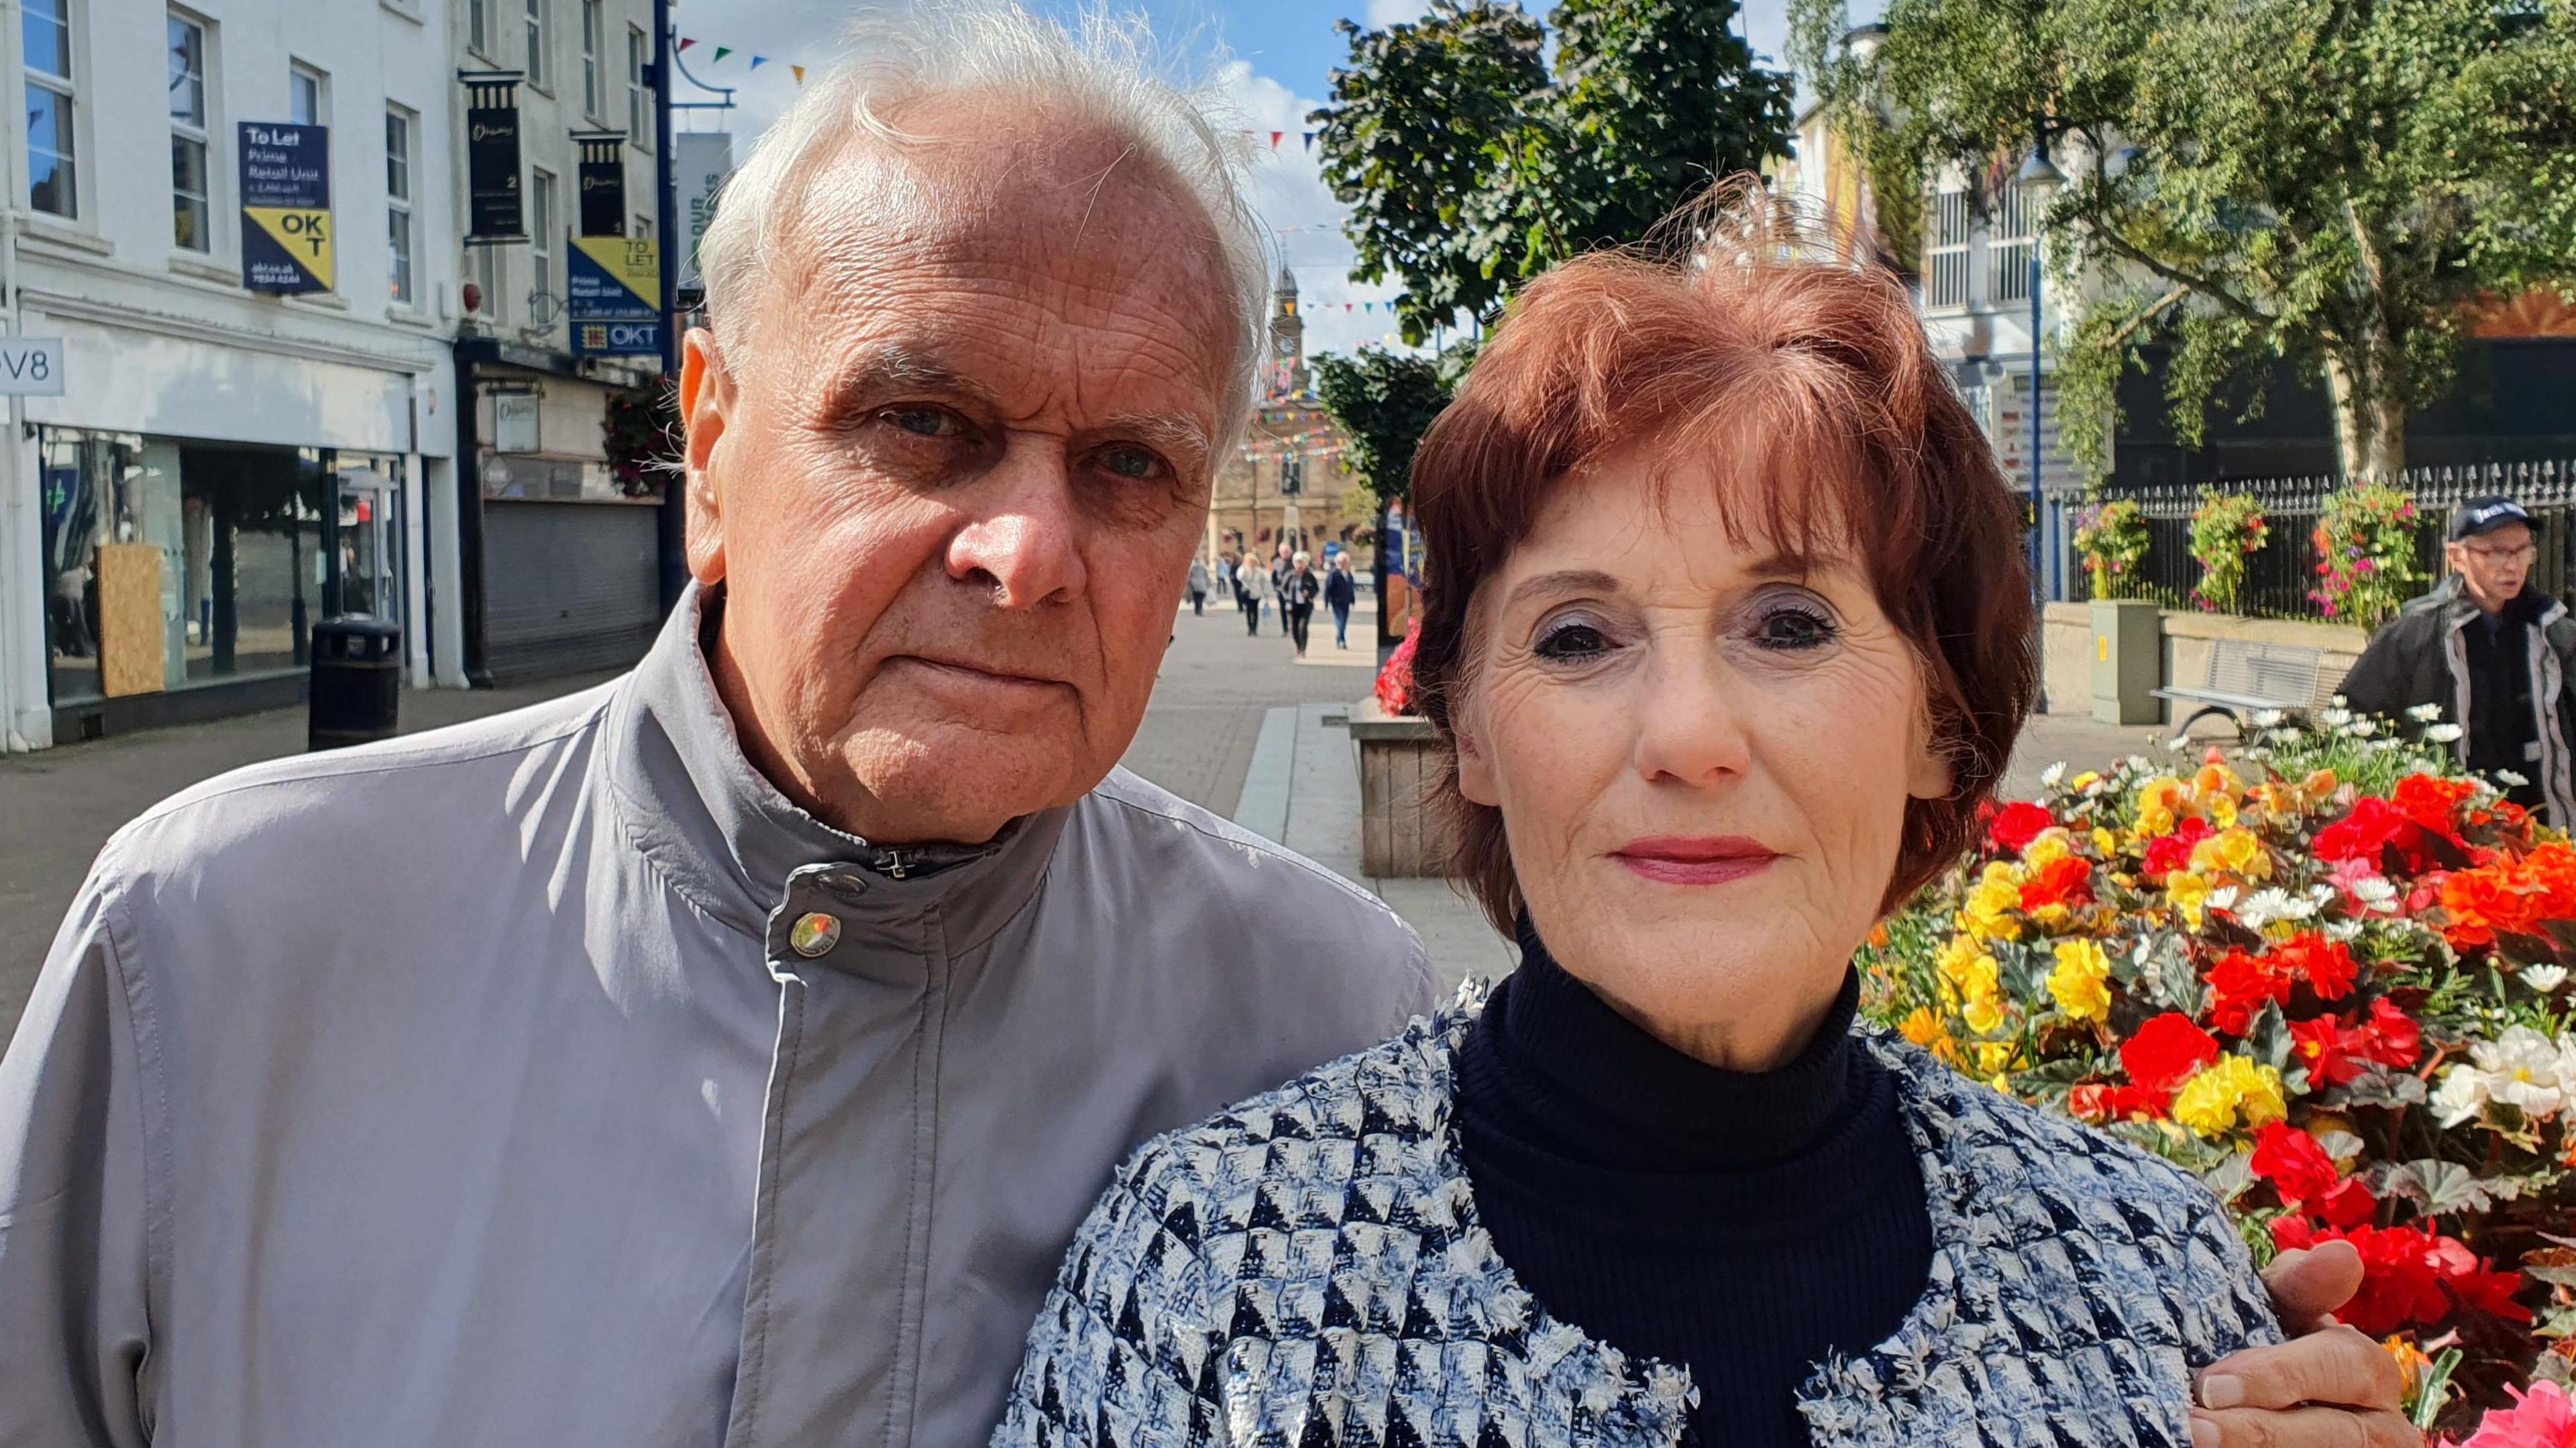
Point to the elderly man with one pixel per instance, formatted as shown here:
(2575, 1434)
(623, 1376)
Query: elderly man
(725, 1055)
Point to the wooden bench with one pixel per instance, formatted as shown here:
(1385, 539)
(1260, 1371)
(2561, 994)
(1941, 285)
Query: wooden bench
(2245, 677)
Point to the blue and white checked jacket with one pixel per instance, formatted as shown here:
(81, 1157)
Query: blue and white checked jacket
(1307, 1270)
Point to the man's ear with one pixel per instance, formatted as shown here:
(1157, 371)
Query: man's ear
(706, 392)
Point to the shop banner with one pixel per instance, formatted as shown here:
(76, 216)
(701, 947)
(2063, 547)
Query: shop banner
(705, 159)
(603, 184)
(286, 208)
(614, 296)
(493, 202)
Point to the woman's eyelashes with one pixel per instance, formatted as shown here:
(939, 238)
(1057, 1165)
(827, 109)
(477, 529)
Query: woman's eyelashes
(1793, 623)
(1571, 640)
(1778, 622)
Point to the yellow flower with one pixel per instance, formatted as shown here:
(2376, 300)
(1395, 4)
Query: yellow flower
(1984, 1011)
(1994, 1058)
(2084, 781)
(2104, 843)
(2215, 779)
(2189, 894)
(1924, 1028)
(2159, 801)
(2237, 852)
(1988, 915)
(2235, 1091)
(2222, 810)
(2047, 848)
(2081, 982)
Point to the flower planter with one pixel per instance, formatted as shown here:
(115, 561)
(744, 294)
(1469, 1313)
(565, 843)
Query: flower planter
(1401, 757)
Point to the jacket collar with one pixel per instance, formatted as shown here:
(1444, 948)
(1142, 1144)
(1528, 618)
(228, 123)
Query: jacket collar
(729, 842)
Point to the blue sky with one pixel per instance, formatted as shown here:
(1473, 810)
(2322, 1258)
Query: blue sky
(1273, 59)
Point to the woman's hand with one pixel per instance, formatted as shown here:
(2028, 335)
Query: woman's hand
(2328, 1387)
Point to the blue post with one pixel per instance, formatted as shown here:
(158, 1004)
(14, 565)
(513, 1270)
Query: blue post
(2039, 589)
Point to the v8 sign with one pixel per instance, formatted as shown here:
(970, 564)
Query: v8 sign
(286, 207)
(31, 366)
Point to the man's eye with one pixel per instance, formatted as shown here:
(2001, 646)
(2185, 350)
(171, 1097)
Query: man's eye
(1792, 627)
(924, 421)
(1571, 642)
(1131, 462)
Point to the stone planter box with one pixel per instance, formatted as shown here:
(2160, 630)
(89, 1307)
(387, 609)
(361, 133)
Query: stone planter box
(1401, 757)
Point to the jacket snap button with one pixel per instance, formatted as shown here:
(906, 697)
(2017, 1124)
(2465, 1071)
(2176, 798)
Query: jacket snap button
(814, 934)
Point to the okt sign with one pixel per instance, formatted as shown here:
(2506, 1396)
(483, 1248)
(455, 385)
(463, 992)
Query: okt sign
(614, 295)
(286, 208)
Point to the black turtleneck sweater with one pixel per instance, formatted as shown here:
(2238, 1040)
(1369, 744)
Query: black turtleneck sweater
(1743, 1225)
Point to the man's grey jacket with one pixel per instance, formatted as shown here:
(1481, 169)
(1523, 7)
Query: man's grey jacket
(473, 1089)
(2422, 657)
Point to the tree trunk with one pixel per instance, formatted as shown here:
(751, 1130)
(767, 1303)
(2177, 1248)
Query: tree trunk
(2387, 438)
(2370, 426)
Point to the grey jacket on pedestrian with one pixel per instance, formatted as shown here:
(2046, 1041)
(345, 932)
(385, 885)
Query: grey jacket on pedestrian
(2421, 657)
(484, 1087)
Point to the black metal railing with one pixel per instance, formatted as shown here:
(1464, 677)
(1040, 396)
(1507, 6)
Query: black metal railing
(2282, 574)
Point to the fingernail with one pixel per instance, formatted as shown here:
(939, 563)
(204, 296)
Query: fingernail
(2222, 1390)
(2204, 1433)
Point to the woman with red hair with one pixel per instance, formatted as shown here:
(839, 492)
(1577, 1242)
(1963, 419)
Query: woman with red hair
(1728, 629)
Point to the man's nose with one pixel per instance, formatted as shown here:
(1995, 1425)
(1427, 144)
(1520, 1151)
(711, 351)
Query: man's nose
(1023, 538)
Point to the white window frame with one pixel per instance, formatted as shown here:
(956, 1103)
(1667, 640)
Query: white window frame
(65, 89)
(593, 92)
(542, 192)
(540, 32)
(478, 26)
(199, 133)
(2008, 244)
(402, 251)
(299, 72)
(1949, 219)
(639, 100)
(492, 274)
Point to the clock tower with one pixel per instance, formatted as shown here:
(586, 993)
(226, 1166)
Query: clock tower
(1286, 374)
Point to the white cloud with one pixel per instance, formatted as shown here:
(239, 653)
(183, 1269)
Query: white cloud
(1382, 13)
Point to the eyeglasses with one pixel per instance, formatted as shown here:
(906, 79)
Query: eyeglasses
(2523, 554)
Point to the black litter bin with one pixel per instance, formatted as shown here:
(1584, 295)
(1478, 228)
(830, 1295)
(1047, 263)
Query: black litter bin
(357, 681)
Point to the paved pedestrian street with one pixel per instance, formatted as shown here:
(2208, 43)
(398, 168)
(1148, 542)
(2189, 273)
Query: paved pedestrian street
(1238, 725)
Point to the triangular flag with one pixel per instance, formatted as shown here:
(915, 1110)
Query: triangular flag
(758, 61)
(686, 41)
(1368, 306)
(723, 50)
(1346, 306)
(1310, 139)
(1274, 139)
(800, 73)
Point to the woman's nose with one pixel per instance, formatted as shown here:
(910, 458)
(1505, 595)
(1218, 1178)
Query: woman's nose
(1692, 726)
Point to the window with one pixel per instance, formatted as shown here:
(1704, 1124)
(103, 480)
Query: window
(478, 25)
(398, 128)
(590, 23)
(541, 228)
(537, 74)
(643, 227)
(191, 211)
(1945, 258)
(306, 92)
(639, 114)
(51, 176)
(2008, 242)
(491, 273)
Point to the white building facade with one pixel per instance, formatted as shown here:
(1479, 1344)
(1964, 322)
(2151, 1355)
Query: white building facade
(224, 466)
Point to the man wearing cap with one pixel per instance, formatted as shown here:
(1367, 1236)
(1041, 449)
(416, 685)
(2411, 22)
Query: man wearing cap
(2492, 653)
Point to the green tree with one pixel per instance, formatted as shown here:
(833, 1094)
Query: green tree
(2326, 181)
(1383, 402)
(1470, 166)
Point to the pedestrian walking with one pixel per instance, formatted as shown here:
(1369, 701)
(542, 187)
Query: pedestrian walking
(1254, 582)
(1280, 567)
(1341, 590)
(1198, 587)
(2492, 653)
(1297, 595)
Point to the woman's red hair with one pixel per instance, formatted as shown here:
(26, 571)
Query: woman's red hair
(1805, 380)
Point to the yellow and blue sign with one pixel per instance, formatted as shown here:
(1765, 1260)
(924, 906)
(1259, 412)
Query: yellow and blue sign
(286, 208)
(613, 296)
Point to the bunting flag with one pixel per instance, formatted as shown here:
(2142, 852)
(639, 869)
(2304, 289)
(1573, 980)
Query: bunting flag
(758, 61)
(1310, 139)
(1346, 306)
(800, 73)
(686, 42)
(1275, 137)
(723, 50)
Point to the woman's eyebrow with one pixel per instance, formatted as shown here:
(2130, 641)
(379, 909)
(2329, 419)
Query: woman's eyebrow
(1571, 580)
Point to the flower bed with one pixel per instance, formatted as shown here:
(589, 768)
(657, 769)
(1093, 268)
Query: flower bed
(2330, 976)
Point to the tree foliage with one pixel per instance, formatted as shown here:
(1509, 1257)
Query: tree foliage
(1469, 164)
(1383, 402)
(2327, 181)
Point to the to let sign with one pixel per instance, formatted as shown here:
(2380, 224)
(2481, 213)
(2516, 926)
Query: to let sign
(286, 207)
(614, 291)
(31, 366)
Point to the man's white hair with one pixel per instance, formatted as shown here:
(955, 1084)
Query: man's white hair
(1106, 73)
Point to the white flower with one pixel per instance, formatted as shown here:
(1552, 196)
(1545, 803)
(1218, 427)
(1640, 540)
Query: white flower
(2509, 779)
(2052, 776)
(2375, 893)
(2461, 1096)
(2364, 728)
(2442, 733)
(2425, 713)
(2336, 717)
(2270, 905)
(2222, 899)
(2343, 932)
(2267, 718)
(2545, 978)
(2286, 736)
(2526, 1069)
